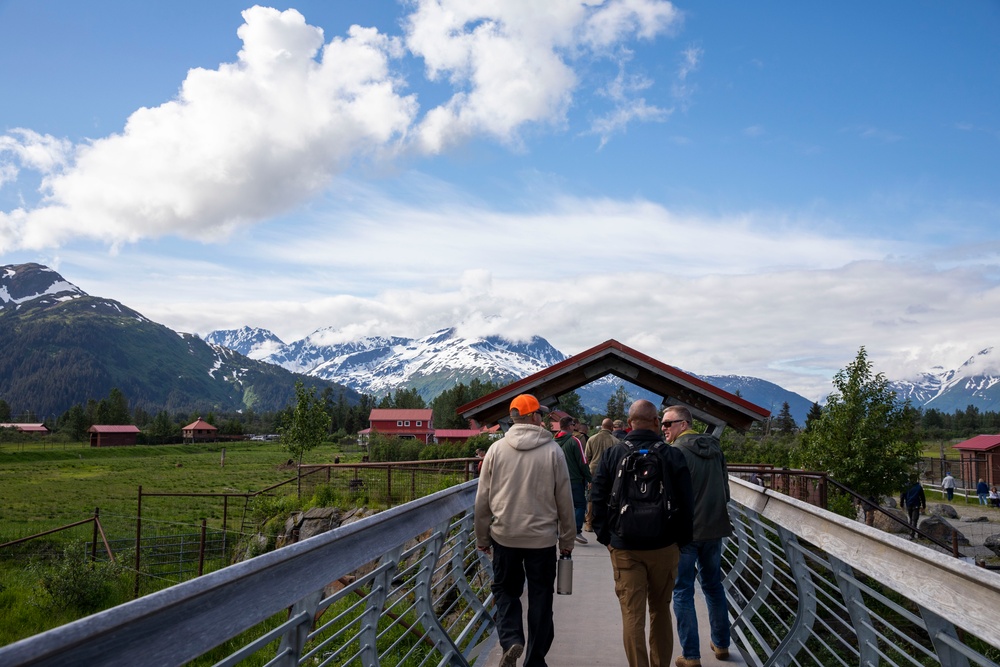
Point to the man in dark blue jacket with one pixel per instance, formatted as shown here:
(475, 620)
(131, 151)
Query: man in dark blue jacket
(645, 570)
(914, 500)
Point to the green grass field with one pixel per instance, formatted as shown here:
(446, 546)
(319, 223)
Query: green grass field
(45, 486)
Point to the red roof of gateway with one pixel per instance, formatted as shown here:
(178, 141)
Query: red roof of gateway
(382, 414)
(980, 443)
(113, 428)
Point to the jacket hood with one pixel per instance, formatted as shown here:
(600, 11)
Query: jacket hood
(704, 446)
(527, 436)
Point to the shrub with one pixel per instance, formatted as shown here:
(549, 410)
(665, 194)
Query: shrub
(71, 581)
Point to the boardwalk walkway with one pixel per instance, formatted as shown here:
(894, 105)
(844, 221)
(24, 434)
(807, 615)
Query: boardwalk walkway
(589, 623)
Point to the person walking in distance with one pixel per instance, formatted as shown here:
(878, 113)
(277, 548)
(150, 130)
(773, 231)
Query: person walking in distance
(523, 507)
(594, 449)
(914, 500)
(644, 554)
(702, 558)
(948, 484)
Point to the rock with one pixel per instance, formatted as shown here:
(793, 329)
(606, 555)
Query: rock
(889, 502)
(940, 530)
(976, 519)
(944, 510)
(992, 543)
(882, 522)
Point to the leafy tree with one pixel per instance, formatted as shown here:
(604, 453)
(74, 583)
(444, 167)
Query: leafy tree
(861, 439)
(618, 404)
(4, 411)
(308, 424)
(75, 422)
(113, 409)
(403, 399)
(446, 404)
(162, 426)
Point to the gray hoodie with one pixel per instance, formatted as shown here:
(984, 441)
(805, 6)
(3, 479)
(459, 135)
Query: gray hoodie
(524, 498)
(710, 482)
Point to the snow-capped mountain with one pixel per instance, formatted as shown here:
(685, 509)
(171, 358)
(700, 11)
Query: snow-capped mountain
(379, 365)
(33, 282)
(976, 382)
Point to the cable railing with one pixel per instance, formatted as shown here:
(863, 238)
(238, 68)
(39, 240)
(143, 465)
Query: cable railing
(403, 587)
(809, 587)
(407, 587)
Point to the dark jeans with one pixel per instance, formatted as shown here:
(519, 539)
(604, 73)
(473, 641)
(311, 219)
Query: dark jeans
(511, 566)
(914, 514)
(951, 493)
(579, 503)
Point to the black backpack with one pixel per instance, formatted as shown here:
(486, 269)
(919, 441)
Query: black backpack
(641, 505)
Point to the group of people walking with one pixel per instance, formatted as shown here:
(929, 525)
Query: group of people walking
(658, 502)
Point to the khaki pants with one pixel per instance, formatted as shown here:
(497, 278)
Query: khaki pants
(644, 578)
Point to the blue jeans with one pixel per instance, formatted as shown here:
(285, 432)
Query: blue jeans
(704, 559)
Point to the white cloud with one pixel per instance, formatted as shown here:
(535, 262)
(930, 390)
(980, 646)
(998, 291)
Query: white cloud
(508, 61)
(239, 144)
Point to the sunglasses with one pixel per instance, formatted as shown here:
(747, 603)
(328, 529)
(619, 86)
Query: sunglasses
(670, 422)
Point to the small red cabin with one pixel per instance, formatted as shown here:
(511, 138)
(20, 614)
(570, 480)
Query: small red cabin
(980, 460)
(113, 435)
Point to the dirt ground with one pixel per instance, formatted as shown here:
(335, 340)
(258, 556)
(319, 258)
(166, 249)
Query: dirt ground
(975, 531)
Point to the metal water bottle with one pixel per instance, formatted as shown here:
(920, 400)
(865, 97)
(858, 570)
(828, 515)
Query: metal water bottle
(564, 575)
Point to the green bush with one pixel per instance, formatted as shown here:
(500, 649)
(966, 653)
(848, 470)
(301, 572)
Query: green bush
(74, 582)
(842, 504)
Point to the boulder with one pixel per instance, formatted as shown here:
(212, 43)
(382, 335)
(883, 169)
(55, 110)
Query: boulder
(318, 520)
(976, 519)
(889, 502)
(940, 530)
(992, 543)
(883, 522)
(942, 509)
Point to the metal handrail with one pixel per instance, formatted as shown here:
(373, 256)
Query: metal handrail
(810, 587)
(182, 623)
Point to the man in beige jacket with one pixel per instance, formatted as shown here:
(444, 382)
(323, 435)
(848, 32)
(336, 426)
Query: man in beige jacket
(524, 506)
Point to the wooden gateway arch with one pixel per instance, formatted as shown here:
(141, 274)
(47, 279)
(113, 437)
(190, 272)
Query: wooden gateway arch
(707, 403)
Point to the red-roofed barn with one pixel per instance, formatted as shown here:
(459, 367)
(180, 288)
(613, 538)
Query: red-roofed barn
(113, 435)
(980, 459)
(27, 428)
(413, 424)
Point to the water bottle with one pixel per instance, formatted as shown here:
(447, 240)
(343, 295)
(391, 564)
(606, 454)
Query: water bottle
(564, 575)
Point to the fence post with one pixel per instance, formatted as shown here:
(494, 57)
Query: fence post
(138, 542)
(201, 549)
(388, 484)
(93, 542)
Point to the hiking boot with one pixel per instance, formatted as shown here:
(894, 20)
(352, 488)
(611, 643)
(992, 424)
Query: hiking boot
(720, 653)
(581, 539)
(681, 661)
(511, 655)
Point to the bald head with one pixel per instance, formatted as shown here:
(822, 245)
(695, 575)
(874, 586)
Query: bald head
(608, 424)
(642, 414)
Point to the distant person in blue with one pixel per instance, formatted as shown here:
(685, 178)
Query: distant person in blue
(982, 490)
(948, 484)
(914, 501)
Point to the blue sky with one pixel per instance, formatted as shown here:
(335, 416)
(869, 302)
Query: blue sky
(749, 188)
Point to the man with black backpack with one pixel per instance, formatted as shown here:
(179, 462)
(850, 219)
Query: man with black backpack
(642, 503)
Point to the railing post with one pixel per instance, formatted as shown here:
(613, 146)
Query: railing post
(425, 602)
(805, 615)
(857, 610)
(945, 638)
(294, 640)
(374, 605)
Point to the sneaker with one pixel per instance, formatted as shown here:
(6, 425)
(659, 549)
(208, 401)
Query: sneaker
(720, 653)
(511, 655)
(681, 661)
(581, 539)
